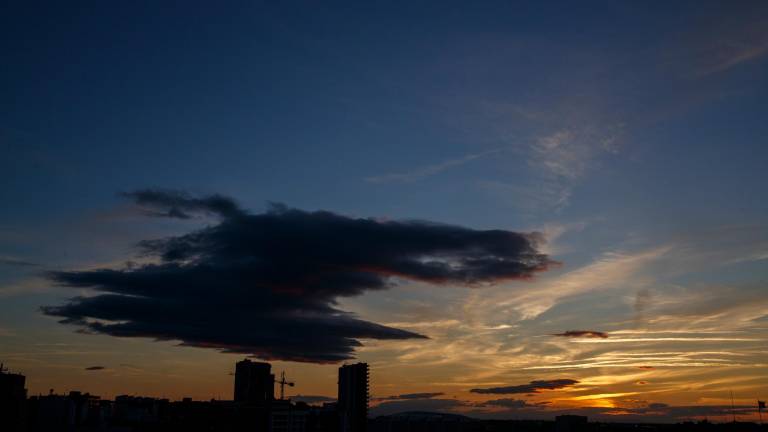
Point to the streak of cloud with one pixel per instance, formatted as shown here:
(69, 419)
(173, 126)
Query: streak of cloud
(606, 272)
(11, 261)
(532, 387)
(670, 339)
(558, 161)
(736, 42)
(429, 170)
(582, 334)
(411, 396)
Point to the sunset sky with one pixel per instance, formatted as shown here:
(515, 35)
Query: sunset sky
(508, 209)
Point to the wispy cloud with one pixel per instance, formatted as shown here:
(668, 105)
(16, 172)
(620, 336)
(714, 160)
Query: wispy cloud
(649, 360)
(33, 285)
(428, 170)
(565, 156)
(735, 44)
(670, 339)
(558, 161)
(737, 54)
(608, 271)
(11, 261)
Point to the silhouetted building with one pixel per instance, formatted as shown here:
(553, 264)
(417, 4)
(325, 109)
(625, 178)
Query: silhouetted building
(50, 413)
(324, 418)
(138, 410)
(254, 382)
(353, 397)
(288, 417)
(74, 411)
(570, 423)
(13, 397)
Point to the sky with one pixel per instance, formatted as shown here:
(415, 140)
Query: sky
(508, 209)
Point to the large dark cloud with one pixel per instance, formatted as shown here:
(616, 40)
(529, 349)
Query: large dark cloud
(267, 284)
(531, 387)
(582, 334)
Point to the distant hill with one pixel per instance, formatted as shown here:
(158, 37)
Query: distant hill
(426, 415)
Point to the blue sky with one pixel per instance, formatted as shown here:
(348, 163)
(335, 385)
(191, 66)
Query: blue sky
(631, 134)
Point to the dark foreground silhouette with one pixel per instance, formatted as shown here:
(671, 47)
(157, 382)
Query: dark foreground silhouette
(255, 409)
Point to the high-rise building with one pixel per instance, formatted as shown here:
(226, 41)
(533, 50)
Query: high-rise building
(254, 382)
(13, 397)
(353, 397)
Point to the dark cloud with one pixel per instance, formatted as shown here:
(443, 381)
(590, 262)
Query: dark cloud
(179, 204)
(646, 367)
(513, 406)
(411, 396)
(267, 284)
(95, 368)
(532, 387)
(9, 261)
(583, 334)
(508, 403)
(312, 399)
(641, 382)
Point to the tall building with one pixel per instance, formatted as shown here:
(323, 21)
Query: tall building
(254, 382)
(13, 398)
(353, 397)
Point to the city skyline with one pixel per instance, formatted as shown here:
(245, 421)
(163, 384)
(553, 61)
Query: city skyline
(507, 209)
(254, 387)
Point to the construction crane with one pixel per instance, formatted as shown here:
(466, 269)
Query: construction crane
(283, 382)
